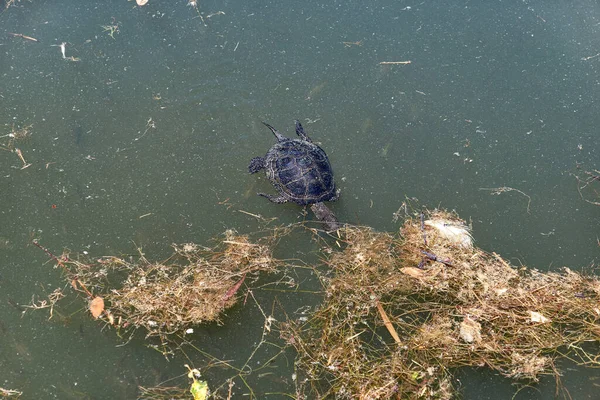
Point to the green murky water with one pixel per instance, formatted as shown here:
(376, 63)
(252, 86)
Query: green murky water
(144, 140)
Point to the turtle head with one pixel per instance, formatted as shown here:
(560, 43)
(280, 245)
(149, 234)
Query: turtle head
(278, 135)
(325, 215)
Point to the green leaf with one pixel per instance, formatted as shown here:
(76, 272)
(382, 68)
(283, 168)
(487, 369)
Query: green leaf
(199, 390)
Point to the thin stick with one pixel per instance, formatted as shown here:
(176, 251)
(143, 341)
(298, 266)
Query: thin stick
(257, 216)
(25, 163)
(61, 263)
(350, 44)
(500, 190)
(590, 57)
(395, 62)
(595, 176)
(52, 256)
(24, 36)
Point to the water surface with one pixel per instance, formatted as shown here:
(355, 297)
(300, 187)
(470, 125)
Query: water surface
(162, 118)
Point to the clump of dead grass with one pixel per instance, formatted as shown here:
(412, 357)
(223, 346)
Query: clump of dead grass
(195, 285)
(401, 311)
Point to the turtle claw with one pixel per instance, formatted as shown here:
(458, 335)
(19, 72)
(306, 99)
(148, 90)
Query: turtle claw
(274, 199)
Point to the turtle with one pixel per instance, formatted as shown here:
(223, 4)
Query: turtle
(301, 173)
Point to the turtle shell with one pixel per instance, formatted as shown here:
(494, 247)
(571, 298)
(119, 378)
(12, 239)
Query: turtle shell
(300, 171)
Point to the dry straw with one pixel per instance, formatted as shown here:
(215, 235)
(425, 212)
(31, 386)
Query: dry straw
(449, 305)
(10, 393)
(193, 286)
(400, 312)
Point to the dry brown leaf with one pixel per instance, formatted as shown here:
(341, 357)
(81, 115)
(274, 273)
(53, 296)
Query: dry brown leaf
(97, 306)
(388, 323)
(412, 271)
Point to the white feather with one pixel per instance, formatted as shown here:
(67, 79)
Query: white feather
(455, 232)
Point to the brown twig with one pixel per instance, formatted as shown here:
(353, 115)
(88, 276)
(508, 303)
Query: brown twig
(52, 256)
(24, 37)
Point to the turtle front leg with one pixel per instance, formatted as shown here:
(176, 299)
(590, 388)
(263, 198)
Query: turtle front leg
(256, 164)
(275, 199)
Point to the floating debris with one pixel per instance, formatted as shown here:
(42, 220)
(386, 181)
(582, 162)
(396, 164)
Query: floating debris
(97, 306)
(400, 311)
(456, 233)
(474, 309)
(10, 393)
(192, 287)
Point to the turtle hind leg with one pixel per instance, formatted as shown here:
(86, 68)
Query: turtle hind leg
(256, 164)
(274, 199)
